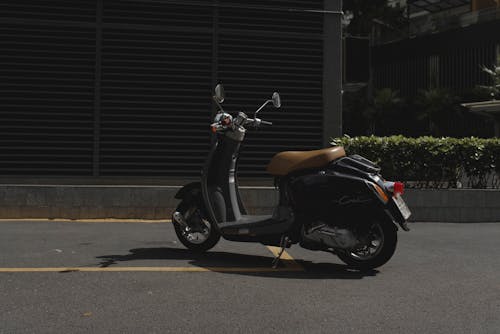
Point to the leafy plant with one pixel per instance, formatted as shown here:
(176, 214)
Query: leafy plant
(379, 111)
(430, 162)
(437, 107)
(494, 74)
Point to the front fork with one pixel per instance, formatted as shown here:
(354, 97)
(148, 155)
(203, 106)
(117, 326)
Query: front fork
(179, 219)
(190, 220)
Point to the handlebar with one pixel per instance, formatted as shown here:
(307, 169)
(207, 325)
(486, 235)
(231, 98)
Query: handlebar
(225, 121)
(256, 122)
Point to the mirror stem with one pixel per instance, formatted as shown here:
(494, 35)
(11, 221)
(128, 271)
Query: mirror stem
(218, 104)
(262, 106)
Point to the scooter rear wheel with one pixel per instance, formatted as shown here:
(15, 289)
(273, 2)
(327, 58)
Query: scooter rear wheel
(382, 241)
(200, 235)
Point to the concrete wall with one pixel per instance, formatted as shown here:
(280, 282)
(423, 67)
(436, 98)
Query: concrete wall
(157, 202)
(454, 205)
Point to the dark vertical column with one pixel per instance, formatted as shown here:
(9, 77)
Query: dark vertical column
(215, 59)
(215, 42)
(97, 89)
(497, 59)
(332, 71)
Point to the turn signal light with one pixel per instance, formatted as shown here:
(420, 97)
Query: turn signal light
(378, 190)
(383, 196)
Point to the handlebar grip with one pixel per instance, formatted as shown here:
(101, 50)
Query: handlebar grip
(266, 123)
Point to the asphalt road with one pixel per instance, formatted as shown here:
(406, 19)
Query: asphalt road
(444, 278)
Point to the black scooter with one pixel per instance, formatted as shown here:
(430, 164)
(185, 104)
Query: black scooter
(327, 201)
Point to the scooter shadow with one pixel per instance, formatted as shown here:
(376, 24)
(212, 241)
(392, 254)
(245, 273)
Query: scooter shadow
(252, 265)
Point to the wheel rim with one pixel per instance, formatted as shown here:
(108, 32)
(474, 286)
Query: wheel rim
(197, 237)
(374, 246)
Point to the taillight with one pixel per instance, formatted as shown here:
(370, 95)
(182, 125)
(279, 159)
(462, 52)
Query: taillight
(399, 188)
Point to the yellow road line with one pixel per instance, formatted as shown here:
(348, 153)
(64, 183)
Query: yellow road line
(147, 269)
(286, 258)
(288, 261)
(96, 220)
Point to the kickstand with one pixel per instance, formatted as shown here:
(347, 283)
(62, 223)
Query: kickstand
(283, 244)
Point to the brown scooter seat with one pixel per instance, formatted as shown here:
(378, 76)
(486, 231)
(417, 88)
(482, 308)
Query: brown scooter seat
(290, 161)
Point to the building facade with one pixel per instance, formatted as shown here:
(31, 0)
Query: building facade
(445, 46)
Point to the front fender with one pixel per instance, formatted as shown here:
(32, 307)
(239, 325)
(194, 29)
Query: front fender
(190, 190)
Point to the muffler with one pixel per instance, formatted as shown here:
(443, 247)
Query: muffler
(322, 236)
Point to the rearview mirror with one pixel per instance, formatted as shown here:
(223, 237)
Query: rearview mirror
(219, 93)
(276, 100)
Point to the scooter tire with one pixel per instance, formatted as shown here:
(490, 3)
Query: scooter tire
(390, 240)
(212, 239)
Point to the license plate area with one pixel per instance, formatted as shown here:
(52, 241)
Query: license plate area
(401, 205)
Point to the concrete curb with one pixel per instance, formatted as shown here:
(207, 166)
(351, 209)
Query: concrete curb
(158, 202)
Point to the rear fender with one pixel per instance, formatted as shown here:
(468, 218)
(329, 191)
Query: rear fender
(385, 214)
(396, 218)
(390, 211)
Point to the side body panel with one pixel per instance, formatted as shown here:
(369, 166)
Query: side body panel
(339, 194)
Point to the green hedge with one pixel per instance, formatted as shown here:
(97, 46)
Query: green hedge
(431, 162)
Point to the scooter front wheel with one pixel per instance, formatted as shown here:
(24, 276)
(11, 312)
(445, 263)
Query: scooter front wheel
(199, 236)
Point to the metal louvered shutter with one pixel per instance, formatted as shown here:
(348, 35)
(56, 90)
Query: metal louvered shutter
(123, 87)
(271, 49)
(47, 66)
(155, 91)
